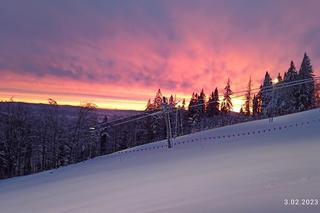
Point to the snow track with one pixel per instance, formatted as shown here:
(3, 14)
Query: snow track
(248, 167)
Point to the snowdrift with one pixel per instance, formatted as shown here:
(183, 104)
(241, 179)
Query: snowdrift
(248, 167)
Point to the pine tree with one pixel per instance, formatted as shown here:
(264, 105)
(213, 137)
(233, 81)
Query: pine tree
(201, 103)
(164, 101)
(317, 94)
(193, 112)
(242, 111)
(192, 103)
(210, 105)
(216, 103)
(289, 94)
(306, 98)
(266, 92)
(292, 73)
(278, 95)
(226, 105)
(213, 104)
(172, 101)
(149, 106)
(248, 102)
(259, 99)
(183, 105)
(279, 78)
(254, 105)
(158, 100)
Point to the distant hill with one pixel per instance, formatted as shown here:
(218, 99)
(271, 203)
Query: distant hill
(72, 111)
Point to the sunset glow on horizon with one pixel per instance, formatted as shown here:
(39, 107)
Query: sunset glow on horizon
(117, 54)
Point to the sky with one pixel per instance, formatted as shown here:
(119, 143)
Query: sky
(117, 53)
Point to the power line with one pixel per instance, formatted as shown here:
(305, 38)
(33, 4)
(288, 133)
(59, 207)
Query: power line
(134, 119)
(270, 88)
(281, 83)
(267, 89)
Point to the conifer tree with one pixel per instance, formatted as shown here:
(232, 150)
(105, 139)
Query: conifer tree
(164, 101)
(279, 78)
(158, 100)
(306, 98)
(192, 103)
(216, 102)
(257, 103)
(210, 105)
(254, 105)
(266, 93)
(289, 95)
(226, 105)
(292, 73)
(242, 111)
(201, 103)
(248, 102)
(192, 109)
(172, 101)
(213, 104)
(317, 94)
(149, 106)
(183, 105)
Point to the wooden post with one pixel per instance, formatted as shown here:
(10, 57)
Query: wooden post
(166, 114)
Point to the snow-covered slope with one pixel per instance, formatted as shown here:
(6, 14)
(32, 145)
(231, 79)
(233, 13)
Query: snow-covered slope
(249, 167)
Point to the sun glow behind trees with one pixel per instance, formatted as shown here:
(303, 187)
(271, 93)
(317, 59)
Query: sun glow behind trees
(250, 101)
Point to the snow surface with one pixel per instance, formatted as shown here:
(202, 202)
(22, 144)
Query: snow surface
(252, 167)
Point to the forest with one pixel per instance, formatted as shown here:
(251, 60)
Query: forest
(33, 139)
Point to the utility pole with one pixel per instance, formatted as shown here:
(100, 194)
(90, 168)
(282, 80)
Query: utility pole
(166, 114)
(176, 123)
(272, 105)
(273, 100)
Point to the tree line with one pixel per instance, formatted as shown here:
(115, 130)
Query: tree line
(274, 97)
(38, 139)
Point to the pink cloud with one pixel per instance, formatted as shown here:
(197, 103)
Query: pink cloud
(111, 51)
